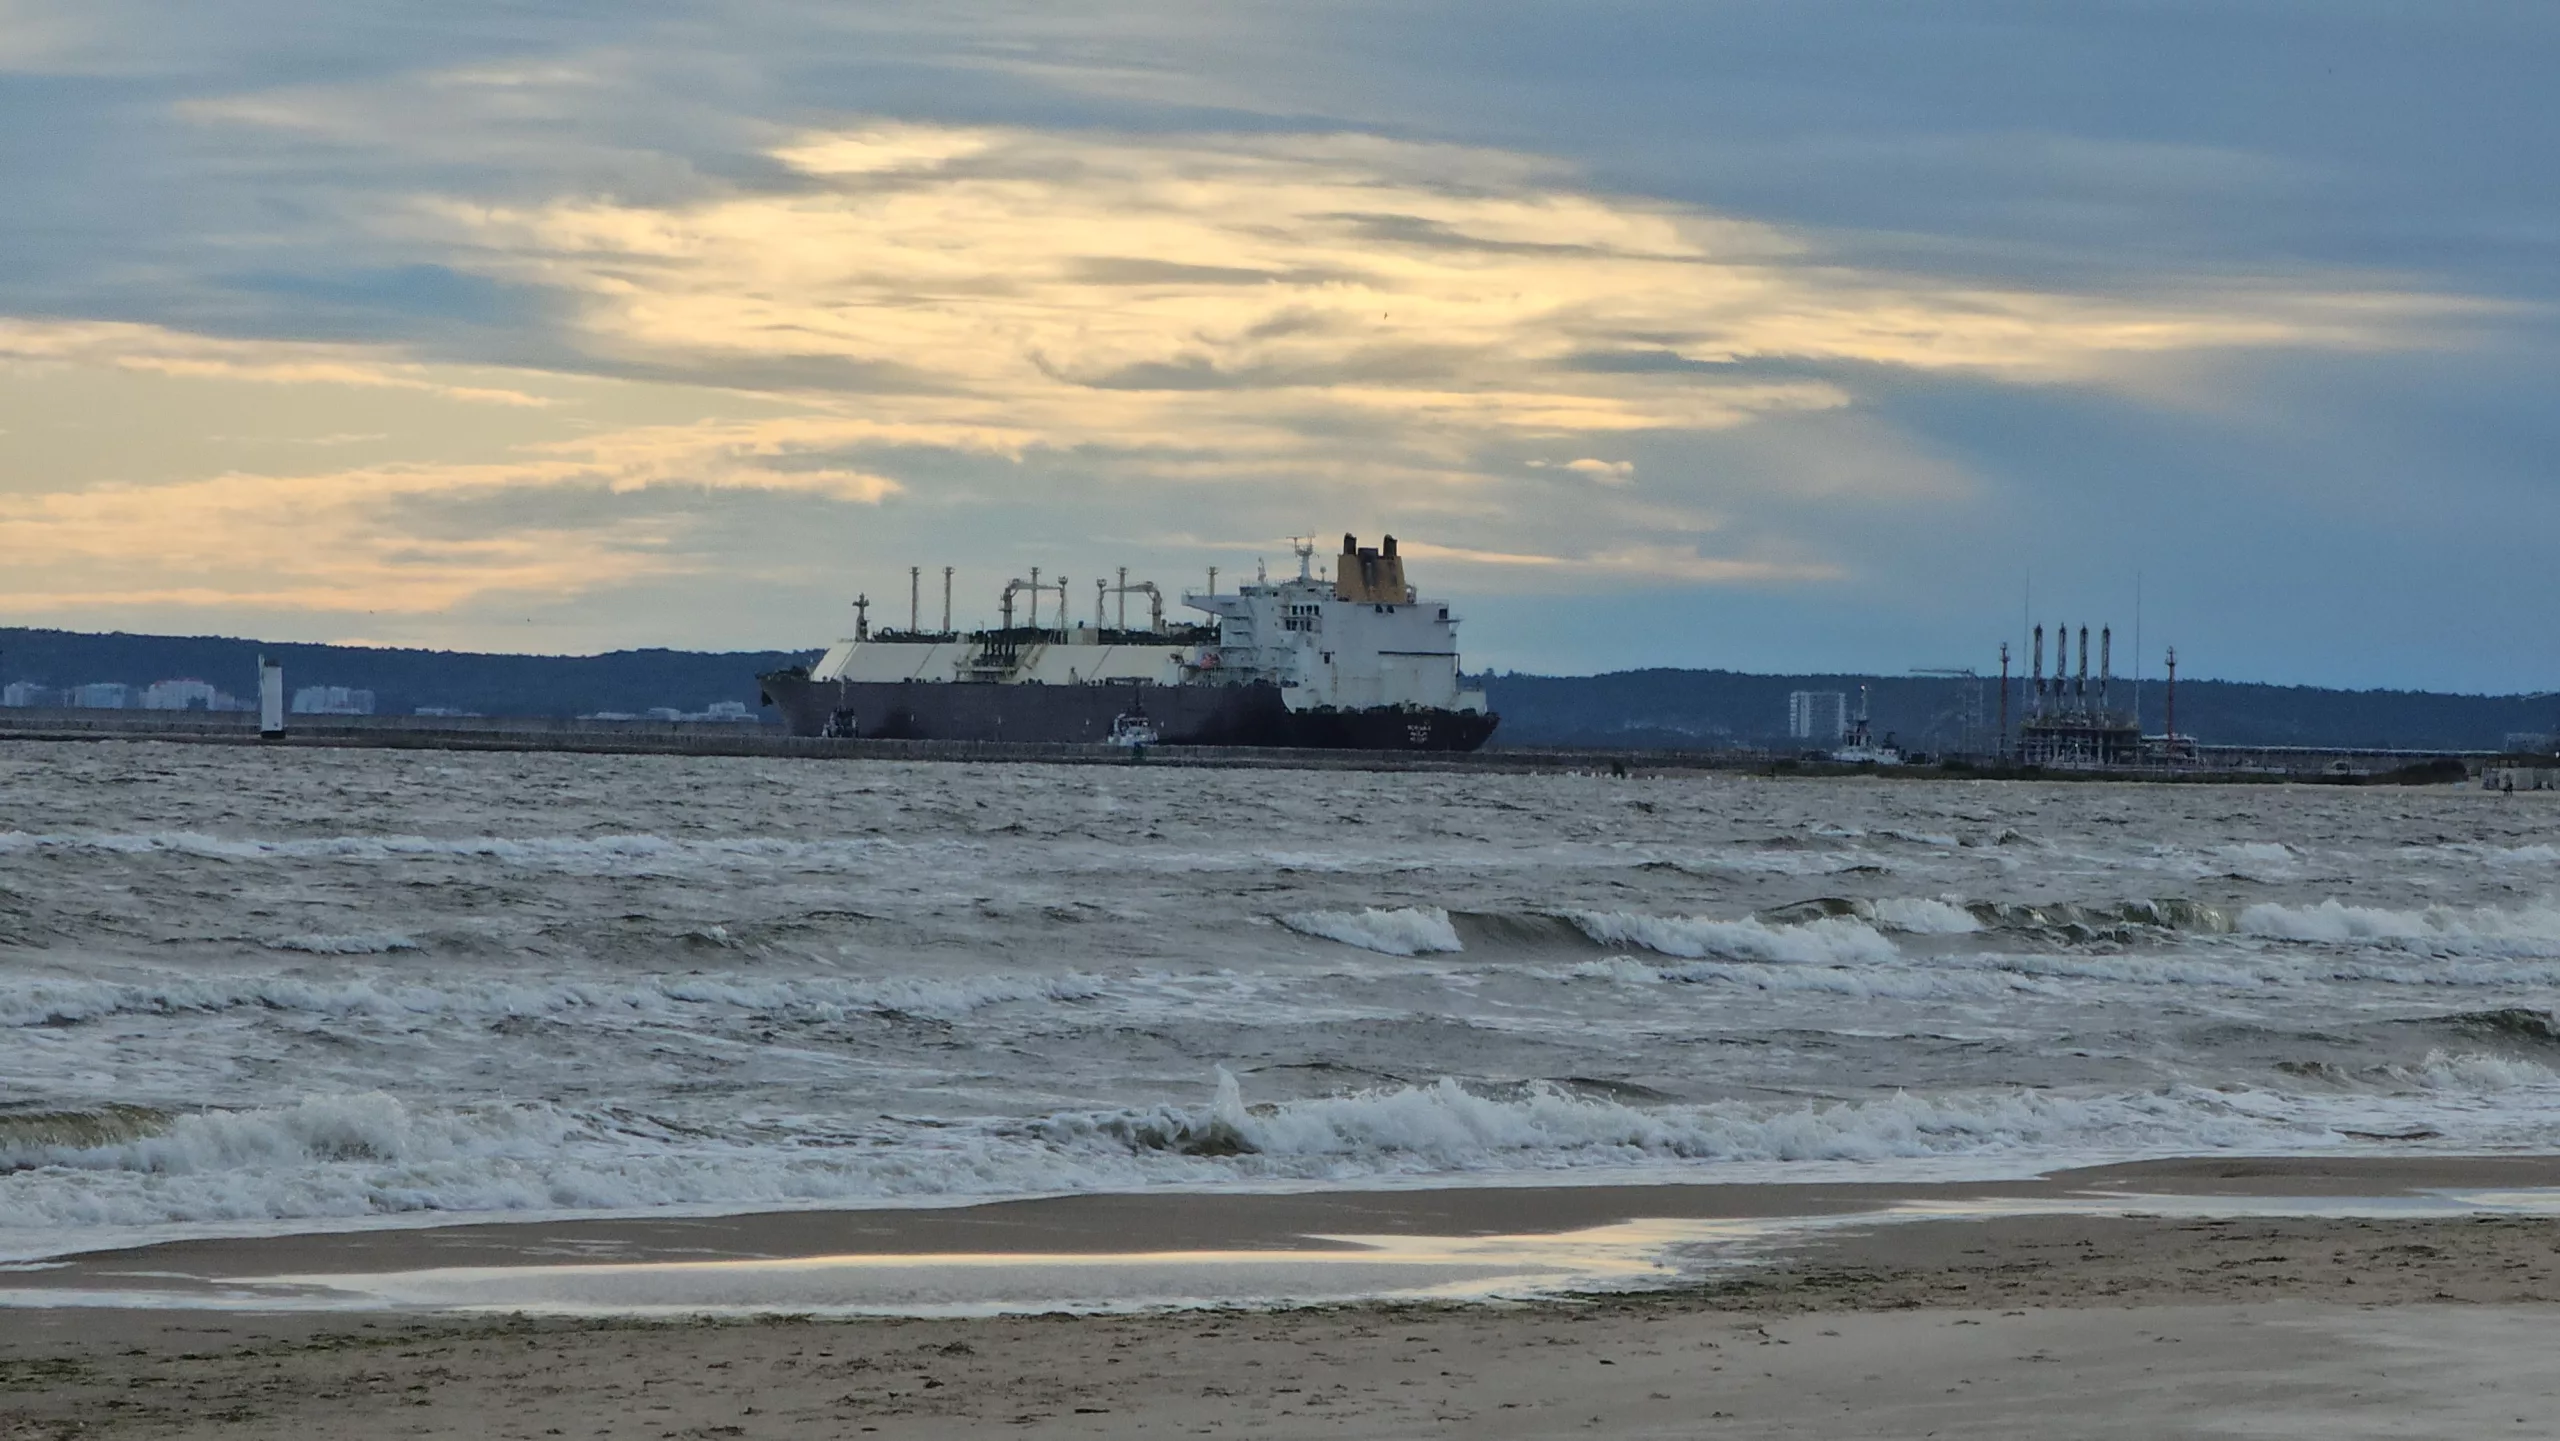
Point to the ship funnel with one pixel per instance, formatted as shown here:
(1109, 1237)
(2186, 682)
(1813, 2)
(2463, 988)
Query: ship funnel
(1370, 575)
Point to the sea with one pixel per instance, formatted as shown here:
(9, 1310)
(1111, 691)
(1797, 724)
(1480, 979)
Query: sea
(251, 991)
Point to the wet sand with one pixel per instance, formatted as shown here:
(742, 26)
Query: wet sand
(1189, 1221)
(2087, 1325)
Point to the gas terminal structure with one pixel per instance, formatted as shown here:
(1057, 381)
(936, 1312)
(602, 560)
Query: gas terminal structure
(2067, 726)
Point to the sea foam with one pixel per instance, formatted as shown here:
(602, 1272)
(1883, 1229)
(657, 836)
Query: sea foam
(2532, 931)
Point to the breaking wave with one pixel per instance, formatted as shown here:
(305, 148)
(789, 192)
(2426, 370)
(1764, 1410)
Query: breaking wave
(59, 1002)
(1405, 931)
(1920, 916)
(1828, 941)
(2531, 932)
(1856, 982)
(355, 945)
(2470, 1071)
(2068, 921)
(370, 1155)
(1449, 1127)
(586, 855)
(2159, 914)
(2506, 1023)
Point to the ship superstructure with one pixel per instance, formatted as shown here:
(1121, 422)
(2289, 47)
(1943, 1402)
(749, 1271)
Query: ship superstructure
(1357, 659)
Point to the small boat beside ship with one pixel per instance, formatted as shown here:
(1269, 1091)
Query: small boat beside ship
(1860, 747)
(1353, 659)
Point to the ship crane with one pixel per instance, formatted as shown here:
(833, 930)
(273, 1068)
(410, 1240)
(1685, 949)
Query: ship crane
(1125, 589)
(1966, 713)
(1016, 587)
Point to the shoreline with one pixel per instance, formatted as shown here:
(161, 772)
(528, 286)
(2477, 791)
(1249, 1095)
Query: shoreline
(2134, 1325)
(1337, 1246)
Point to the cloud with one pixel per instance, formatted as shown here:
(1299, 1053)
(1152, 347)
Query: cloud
(1648, 563)
(42, 39)
(1345, 299)
(1383, 327)
(172, 352)
(367, 538)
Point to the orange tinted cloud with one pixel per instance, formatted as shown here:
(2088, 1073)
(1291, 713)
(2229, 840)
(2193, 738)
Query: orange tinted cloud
(1118, 290)
(1392, 325)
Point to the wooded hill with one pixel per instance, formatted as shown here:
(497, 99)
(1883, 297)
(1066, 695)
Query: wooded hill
(402, 680)
(1685, 708)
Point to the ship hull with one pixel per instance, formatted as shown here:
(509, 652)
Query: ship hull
(1194, 715)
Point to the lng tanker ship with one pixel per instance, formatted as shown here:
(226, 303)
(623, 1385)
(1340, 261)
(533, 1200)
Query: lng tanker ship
(1354, 660)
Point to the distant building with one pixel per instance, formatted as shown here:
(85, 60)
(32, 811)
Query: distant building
(443, 710)
(719, 710)
(101, 695)
(332, 700)
(21, 693)
(181, 695)
(1817, 715)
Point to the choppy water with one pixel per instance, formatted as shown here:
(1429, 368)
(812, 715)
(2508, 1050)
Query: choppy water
(256, 991)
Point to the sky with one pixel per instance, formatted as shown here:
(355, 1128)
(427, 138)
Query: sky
(1827, 335)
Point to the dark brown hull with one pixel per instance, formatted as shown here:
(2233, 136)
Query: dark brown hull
(1194, 715)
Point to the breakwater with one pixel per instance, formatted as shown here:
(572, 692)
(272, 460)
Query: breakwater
(733, 738)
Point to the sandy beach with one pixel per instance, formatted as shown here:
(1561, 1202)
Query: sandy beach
(2124, 1321)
